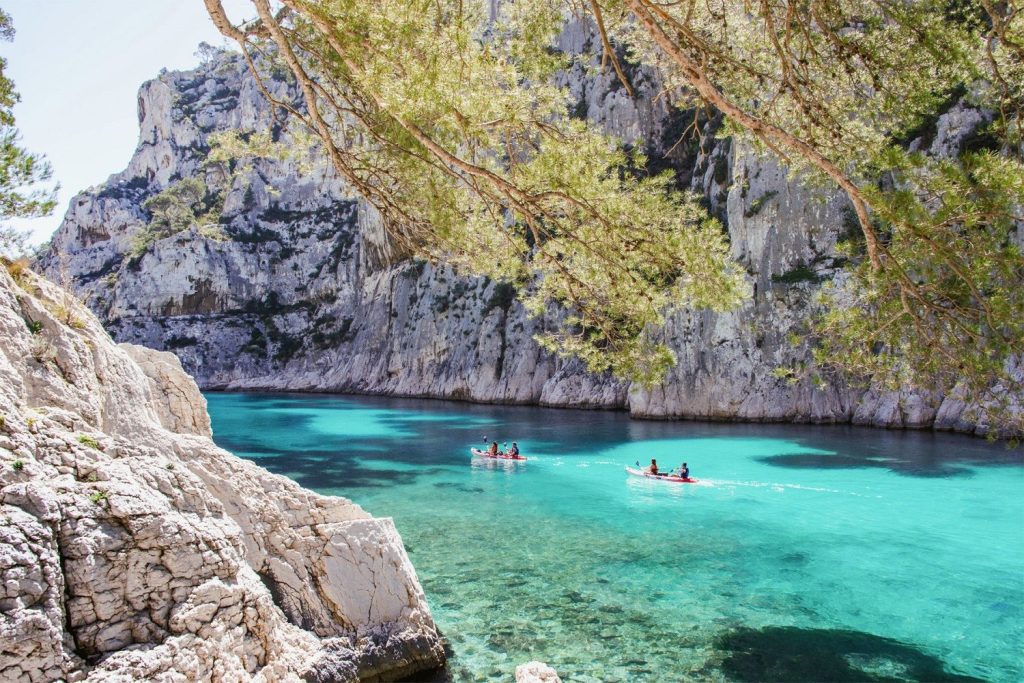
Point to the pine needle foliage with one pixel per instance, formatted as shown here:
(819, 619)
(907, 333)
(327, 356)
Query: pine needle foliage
(444, 114)
(447, 119)
(21, 171)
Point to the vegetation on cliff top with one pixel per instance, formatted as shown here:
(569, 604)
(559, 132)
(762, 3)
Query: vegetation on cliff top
(446, 119)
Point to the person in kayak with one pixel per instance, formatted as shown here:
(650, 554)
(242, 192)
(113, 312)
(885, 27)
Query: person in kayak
(514, 451)
(653, 469)
(684, 471)
(493, 450)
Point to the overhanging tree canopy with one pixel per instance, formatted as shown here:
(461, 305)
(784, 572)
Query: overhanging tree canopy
(447, 120)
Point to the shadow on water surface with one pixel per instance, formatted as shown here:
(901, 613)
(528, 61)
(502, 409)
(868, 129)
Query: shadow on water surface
(786, 653)
(324, 441)
(322, 470)
(455, 486)
(906, 452)
(906, 467)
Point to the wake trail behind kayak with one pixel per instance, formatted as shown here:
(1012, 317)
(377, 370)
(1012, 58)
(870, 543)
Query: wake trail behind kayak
(776, 486)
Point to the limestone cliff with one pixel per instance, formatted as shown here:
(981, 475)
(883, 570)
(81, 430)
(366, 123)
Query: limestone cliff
(132, 548)
(305, 294)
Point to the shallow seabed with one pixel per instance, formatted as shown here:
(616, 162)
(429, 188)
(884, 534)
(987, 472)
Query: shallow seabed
(804, 553)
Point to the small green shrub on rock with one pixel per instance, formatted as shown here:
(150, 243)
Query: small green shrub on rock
(89, 441)
(177, 207)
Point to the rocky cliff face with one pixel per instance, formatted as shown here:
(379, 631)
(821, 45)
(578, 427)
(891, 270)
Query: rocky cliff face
(132, 548)
(305, 295)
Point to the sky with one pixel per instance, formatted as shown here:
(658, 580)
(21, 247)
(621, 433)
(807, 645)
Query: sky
(78, 65)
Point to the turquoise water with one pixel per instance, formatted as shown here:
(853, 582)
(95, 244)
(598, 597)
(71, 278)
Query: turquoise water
(804, 553)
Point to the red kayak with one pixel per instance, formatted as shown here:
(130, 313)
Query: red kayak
(661, 477)
(500, 456)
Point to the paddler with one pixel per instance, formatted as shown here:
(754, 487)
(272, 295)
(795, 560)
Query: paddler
(493, 451)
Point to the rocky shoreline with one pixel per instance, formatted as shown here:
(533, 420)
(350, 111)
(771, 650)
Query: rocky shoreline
(133, 548)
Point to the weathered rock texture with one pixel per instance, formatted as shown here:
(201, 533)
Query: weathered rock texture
(305, 294)
(132, 548)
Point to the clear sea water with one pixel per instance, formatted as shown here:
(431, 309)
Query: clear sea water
(803, 553)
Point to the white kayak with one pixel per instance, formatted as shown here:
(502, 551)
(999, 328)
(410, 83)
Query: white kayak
(661, 477)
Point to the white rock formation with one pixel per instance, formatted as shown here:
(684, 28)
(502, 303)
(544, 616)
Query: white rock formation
(132, 548)
(536, 672)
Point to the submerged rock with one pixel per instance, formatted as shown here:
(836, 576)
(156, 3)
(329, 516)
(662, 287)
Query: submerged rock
(131, 547)
(536, 672)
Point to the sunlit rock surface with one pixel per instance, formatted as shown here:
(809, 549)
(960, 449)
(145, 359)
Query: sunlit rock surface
(132, 548)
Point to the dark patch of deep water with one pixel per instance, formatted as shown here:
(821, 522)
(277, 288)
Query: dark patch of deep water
(882, 555)
(795, 654)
